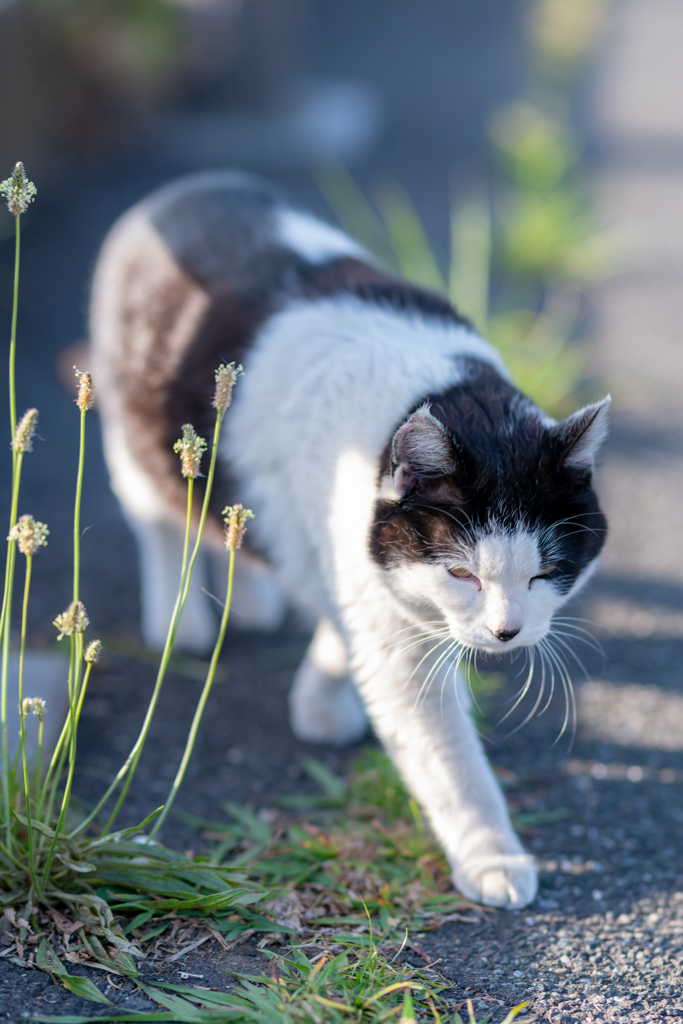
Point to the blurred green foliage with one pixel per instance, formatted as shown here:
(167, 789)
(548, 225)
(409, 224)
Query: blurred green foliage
(547, 227)
(374, 782)
(124, 44)
(563, 33)
(537, 150)
(521, 257)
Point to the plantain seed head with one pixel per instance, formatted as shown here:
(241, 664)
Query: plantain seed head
(26, 428)
(235, 518)
(226, 377)
(86, 396)
(73, 620)
(93, 652)
(190, 448)
(18, 190)
(29, 535)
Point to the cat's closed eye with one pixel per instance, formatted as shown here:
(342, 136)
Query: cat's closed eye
(544, 573)
(462, 574)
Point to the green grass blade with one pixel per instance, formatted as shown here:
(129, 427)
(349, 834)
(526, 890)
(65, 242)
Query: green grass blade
(254, 827)
(353, 211)
(470, 268)
(116, 837)
(414, 254)
(203, 996)
(84, 988)
(332, 785)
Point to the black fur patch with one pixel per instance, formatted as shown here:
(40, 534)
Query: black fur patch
(510, 472)
(219, 227)
(221, 230)
(349, 276)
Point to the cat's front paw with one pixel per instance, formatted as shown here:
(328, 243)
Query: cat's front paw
(502, 880)
(325, 708)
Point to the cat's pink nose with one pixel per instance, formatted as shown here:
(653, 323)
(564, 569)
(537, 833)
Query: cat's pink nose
(505, 634)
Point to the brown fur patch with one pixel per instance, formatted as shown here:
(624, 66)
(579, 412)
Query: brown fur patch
(224, 335)
(403, 532)
(160, 311)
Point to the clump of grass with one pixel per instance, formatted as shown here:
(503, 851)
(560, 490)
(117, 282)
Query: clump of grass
(51, 862)
(354, 981)
(351, 978)
(356, 854)
(338, 889)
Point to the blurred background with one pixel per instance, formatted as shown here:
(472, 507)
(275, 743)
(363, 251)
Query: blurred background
(523, 156)
(445, 136)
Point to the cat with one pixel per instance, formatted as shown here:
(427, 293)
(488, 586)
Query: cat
(405, 491)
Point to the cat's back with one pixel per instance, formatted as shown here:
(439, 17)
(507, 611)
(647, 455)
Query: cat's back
(186, 279)
(224, 230)
(217, 226)
(206, 268)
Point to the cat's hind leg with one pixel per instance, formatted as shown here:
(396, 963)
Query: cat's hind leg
(323, 703)
(160, 539)
(258, 601)
(160, 544)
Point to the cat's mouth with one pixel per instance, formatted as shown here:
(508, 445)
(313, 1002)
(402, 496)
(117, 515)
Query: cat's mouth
(497, 644)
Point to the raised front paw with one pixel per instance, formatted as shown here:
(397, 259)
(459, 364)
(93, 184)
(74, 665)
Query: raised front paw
(501, 880)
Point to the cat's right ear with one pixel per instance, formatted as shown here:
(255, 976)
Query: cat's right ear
(421, 452)
(582, 434)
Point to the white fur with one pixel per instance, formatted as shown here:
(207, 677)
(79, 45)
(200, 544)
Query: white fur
(326, 383)
(313, 239)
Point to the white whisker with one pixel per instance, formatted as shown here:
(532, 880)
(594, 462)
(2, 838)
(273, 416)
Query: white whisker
(416, 642)
(424, 688)
(568, 692)
(423, 659)
(521, 694)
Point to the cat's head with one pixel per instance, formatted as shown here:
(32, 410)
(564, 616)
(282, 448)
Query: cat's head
(486, 515)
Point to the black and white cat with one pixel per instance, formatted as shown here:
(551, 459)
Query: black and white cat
(404, 490)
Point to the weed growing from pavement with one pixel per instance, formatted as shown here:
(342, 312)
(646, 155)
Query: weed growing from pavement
(340, 888)
(52, 863)
(355, 982)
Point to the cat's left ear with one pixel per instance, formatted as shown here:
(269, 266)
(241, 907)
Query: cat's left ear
(420, 451)
(582, 434)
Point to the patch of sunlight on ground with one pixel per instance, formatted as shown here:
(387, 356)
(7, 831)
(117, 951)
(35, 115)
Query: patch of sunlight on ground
(631, 715)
